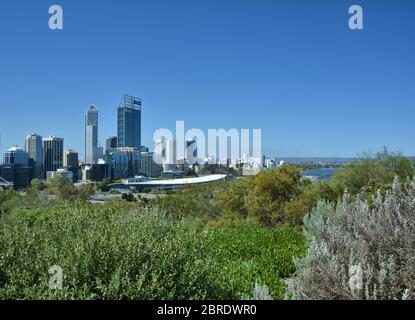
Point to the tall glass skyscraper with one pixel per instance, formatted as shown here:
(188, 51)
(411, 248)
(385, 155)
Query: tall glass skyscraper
(34, 147)
(91, 135)
(129, 123)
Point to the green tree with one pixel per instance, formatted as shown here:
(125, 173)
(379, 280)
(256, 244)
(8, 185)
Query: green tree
(85, 192)
(375, 172)
(129, 197)
(61, 187)
(271, 190)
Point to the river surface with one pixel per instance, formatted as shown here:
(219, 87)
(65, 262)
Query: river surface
(325, 174)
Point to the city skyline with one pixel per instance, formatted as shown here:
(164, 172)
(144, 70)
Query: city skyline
(296, 72)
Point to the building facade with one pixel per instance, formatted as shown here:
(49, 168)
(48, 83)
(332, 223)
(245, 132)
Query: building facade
(111, 143)
(18, 175)
(34, 148)
(129, 123)
(16, 156)
(123, 163)
(71, 162)
(149, 167)
(91, 135)
(52, 154)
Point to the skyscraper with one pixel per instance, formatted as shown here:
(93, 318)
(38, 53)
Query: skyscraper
(71, 162)
(91, 135)
(52, 154)
(129, 123)
(34, 148)
(111, 143)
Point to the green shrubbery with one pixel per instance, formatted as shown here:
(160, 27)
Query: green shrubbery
(114, 251)
(250, 255)
(220, 241)
(104, 255)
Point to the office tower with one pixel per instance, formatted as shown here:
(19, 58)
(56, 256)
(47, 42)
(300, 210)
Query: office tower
(191, 151)
(71, 162)
(148, 167)
(123, 163)
(15, 174)
(112, 143)
(129, 123)
(16, 156)
(34, 148)
(91, 135)
(52, 154)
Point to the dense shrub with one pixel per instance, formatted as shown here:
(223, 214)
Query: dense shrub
(374, 242)
(200, 201)
(375, 172)
(105, 255)
(249, 254)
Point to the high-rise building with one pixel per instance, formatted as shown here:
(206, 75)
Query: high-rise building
(129, 123)
(191, 151)
(71, 162)
(123, 163)
(34, 148)
(148, 166)
(111, 143)
(91, 135)
(52, 154)
(16, 156)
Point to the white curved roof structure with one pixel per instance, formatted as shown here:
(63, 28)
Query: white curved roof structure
(178, 182)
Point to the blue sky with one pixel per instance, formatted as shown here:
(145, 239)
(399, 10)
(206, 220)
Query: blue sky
(292, 68)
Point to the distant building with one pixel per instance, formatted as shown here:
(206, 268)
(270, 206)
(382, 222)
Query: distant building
(148, 167)
(129, 123)
(71, 162)
(123, 163)
(52, 153)
(60, 172)
(91, 135)
(99, 171)
(16, 156)
(111, 143)
(18, 175)
(34, 148)
(191, 151)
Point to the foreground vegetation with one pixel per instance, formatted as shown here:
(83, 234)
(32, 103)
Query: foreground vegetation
(220, 241)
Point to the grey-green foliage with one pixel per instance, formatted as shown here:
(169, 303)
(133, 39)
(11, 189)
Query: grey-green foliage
(378, 238)
(259, 292)
(104, 254)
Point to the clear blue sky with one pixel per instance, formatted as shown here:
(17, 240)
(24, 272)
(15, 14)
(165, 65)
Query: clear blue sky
(292, 68)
